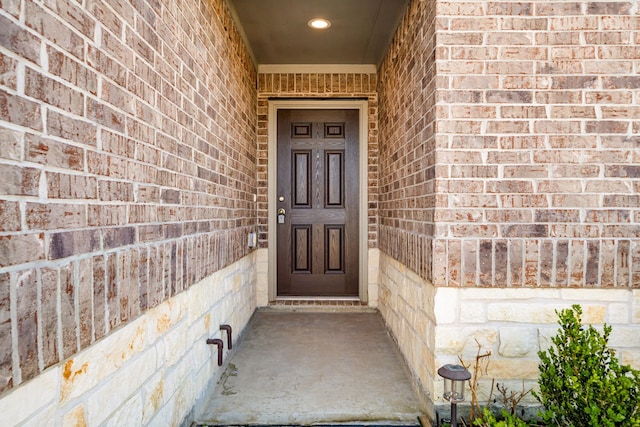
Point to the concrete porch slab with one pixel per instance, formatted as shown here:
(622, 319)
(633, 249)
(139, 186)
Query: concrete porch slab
(303, 368)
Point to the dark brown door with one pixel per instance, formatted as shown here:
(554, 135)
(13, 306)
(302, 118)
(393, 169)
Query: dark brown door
(317, 202)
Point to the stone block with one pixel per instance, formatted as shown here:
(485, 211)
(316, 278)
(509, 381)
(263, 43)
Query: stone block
(180, 375)
(635, 308)
(518, 342)
(126, 382)
(45, 418)
(599, 295)
(175, 408)
(618, 313)
(629, 357)
(472, 312)
(372, 291)
(446, 306)
(165, 317)
(203, 295)
(509, 294)
(200, 330)
(88, 369)
(519, 312)
(624, 337)
(153, 397)
(505, 369)
(544, 337)
(464, 341)
(30, 398)
(594, 314)
(175, 344)
(75, 417)
(130, 413)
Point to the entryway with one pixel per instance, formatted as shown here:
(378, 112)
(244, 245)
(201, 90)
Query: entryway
(306, 367)
(318, 199)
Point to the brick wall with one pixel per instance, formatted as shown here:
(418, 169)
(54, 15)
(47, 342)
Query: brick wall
(316, 85)
(536, 175)
(127, 166)
(538, 143)
(407, 90)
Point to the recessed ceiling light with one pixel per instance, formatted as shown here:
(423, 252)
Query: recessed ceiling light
(319, 23)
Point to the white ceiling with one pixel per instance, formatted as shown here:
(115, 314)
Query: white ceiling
(277, 31)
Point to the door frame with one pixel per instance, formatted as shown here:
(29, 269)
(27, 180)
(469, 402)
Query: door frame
(363, 247)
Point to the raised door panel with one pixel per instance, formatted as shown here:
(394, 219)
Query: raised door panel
(334, 179)
(302, 179)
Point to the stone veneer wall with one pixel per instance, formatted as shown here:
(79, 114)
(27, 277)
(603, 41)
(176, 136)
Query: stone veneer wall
(514, 324)
(406, 302)
(320, 86)
(127, 173)
(532, 204)
(435, 325)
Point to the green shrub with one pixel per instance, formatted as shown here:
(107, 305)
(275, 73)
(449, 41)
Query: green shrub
(581, 381)
(508, 420)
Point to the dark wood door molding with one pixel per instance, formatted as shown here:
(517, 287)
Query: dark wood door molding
(317, 242)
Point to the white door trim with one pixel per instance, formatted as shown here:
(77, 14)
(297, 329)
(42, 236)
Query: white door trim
(363, 247)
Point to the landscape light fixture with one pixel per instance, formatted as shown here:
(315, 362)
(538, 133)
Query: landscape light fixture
(454, 379)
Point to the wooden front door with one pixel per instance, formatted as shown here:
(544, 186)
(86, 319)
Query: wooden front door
(317, 202)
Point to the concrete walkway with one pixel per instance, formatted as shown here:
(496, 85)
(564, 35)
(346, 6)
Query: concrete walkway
(310, 367)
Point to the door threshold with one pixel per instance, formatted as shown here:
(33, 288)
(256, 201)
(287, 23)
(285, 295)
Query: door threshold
(329, 304)
(301, 298)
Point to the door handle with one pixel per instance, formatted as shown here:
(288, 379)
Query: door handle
(281, 212)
